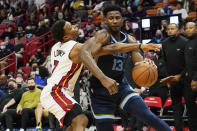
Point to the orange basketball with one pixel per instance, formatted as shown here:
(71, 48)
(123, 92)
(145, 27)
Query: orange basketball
(144, 74)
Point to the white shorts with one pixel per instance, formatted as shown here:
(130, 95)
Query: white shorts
(57, 101)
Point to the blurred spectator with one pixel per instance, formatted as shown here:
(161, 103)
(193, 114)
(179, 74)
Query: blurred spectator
(180, 10)
(46, 13)
(19, 49)
(13, 3)
(19, 74)
(3, 15)
(18, 11)
(31, 7)
(42, 28)
(158, 37)
(3, 83)
(167, 10)
(20, 82)
(164, 24)
(47, 64)
(15, 98)
(37, 58)
(6, 47)
(140, 13)
(81, 32)
(67, 14)
(25, 108)
(81, 12)
(12, 87)
(148, 3)
(20, 32)
(23, 5)
(4, 4)
(127, 27)
(41, 76)
(9, 32)
(160, 12)
(11, 14)
(127, 12)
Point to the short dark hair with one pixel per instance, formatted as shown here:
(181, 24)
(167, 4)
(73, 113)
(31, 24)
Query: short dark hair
(57, 30)
(109, 7)
(31, 78)
(11, 79)
(177, 26)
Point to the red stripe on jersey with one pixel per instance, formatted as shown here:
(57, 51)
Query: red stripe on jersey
(61, 100)
(64, 81)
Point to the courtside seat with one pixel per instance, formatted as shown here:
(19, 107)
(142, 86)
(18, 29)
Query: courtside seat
(156, 102)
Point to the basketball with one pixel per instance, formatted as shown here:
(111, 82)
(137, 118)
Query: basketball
(144, 74)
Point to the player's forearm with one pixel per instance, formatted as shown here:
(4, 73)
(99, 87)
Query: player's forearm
(122, 47)
(89, 62)
(116, 48)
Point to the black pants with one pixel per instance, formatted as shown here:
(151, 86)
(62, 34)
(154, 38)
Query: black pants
(160, 90)
(25, 116)
(2, 120)
(176, 92)
(190, 97)
(179, 90)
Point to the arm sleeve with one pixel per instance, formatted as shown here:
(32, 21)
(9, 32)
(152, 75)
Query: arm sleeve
(17, 97)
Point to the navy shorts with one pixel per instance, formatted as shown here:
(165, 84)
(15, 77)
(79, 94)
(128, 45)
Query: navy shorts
(104, 105)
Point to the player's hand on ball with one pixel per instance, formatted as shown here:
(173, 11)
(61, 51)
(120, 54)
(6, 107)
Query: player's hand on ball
(110, 84)
(150, 62)
(147, 47)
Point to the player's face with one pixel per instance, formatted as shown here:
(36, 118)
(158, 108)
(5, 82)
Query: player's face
(190, 29)
(71, 30)
(113, 20)
(172, 30)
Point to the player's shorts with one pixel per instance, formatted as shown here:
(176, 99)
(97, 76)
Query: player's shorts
(105, 105)
(57, 101)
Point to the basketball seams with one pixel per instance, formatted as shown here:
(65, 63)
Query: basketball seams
(152, 80)
(141, 73)
(147, 79)
(143, 78)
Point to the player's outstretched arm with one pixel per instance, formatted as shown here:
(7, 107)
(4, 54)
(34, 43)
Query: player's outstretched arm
(90, 47)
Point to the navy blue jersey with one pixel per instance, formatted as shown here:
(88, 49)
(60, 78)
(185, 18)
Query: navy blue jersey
(112, 65)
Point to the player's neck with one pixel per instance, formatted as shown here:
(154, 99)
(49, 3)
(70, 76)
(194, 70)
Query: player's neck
(116, 35)
(64, 41)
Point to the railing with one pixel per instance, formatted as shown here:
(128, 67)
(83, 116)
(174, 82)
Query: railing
(11, 60)
(30, 49)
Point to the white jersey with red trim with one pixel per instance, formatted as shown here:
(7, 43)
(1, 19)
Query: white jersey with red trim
(64, 71)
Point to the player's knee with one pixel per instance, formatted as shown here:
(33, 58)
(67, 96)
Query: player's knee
(81, 120)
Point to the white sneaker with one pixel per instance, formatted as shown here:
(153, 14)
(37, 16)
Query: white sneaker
(7, 130)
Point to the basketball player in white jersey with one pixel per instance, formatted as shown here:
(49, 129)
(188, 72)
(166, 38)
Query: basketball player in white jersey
(57, 96)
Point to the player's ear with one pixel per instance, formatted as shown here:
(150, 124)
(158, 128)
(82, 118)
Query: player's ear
(66, 38)
(104, 20)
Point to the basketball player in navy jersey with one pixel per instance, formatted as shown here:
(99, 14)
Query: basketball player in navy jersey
(103, 101)
(57, 96)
